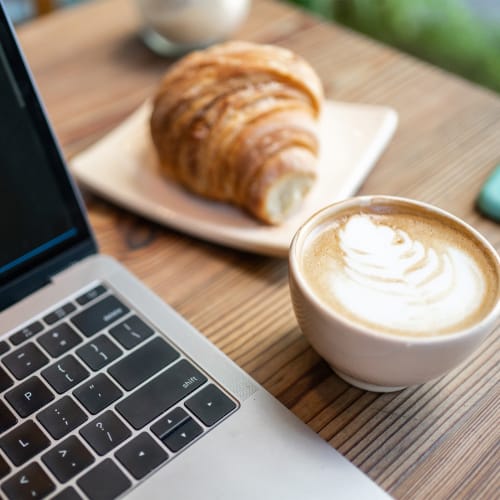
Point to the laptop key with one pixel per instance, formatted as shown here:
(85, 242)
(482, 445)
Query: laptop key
(24, 442)
(169, 422)
(68, 494)
(62, 417)
(29, 483)
(183, 435)
(7, 418)
(100, 315)
(105, 432)
(5, 380)
(4, 347)
(4, 468)
(141, 455)
(97, 393)
(29, 396)
(91, 295)
(59, 313)
(104, 482)
(99, 352)
(59, 340)
(68, 459)
(143, 363)
(131, 332)
(210, 405)
(161, 393)
(26, 333)
(25, 360)
(65, 374)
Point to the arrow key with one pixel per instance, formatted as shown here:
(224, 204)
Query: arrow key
(30, 483)
(210, 405)
(141, 455)
(169, 422)
(68, 458)
(183, 435)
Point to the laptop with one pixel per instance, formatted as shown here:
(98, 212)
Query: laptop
(106, 391)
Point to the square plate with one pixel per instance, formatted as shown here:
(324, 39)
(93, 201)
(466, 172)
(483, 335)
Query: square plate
(122, 167)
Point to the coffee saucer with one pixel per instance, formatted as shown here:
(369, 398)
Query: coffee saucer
(365, 385)
(122, 168)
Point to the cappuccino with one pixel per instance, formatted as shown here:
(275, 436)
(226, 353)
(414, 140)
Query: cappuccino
(400, 270)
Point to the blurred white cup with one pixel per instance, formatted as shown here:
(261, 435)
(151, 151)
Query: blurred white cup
(173, 27)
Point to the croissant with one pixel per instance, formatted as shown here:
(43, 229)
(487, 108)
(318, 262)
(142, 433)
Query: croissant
(238, 123)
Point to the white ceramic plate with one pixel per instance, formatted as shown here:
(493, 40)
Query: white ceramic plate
(122, 168)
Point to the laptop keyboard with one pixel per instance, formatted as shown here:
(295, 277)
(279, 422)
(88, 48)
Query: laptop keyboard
(94, 400)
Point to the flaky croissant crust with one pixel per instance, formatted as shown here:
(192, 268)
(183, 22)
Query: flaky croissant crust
(238, 123)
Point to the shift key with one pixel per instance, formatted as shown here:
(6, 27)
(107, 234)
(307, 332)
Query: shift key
(158, 395)
(99, 316)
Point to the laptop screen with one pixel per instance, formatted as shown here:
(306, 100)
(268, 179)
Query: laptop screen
(40, 215)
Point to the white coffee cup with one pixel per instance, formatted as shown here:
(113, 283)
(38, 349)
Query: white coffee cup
(338, 259)
(173, 27)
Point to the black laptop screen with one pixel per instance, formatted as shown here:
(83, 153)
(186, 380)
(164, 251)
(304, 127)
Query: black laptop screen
(40, 216)
(33, 216)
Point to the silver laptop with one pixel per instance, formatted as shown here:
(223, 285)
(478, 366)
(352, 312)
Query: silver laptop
(105, 390)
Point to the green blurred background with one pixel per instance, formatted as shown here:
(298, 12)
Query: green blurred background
(462, 36)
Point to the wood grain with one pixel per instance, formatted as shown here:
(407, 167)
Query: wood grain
(438, 440)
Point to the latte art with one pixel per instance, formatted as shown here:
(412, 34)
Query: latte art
(399, 273)
(394, 281)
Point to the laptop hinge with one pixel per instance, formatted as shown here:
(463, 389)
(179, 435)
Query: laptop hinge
(33, 280)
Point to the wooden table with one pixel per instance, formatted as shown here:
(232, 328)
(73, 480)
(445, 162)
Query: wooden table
(433, 441)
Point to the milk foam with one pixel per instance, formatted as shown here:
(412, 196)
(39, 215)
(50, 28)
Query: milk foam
(390, 279)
